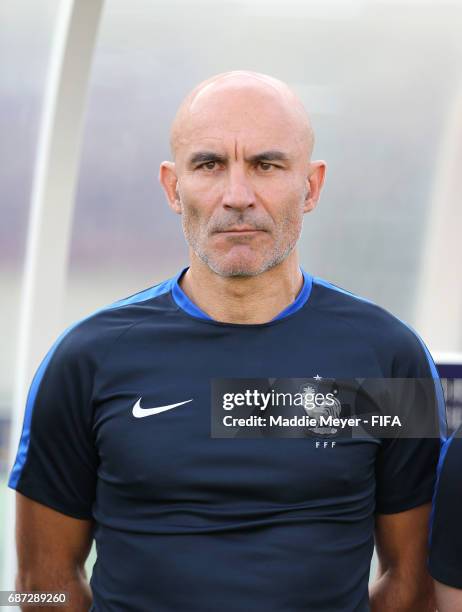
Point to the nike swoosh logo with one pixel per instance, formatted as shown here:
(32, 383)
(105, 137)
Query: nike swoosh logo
(139, 412)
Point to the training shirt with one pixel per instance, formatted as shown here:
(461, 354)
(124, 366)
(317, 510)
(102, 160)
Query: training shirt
(185, 521)
(445, 560)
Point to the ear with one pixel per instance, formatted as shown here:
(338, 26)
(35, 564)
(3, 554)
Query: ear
(314, 183)
(169, 181)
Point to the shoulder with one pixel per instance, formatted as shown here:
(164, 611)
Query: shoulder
(377, 325)
(87, 340)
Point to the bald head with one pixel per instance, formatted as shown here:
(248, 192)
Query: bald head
(234, 99)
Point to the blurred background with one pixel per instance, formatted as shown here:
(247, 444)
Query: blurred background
(381, 80)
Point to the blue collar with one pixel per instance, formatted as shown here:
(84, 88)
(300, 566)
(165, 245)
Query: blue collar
(183, 301)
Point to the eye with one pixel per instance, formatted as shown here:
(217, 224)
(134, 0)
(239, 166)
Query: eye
(210, 165)
(265, 166)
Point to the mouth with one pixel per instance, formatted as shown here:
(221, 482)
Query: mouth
(240, 230)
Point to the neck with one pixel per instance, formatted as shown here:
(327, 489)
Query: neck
(252, 299)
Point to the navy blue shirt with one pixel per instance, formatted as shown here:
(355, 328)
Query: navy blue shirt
(185, 521)
(445, 560)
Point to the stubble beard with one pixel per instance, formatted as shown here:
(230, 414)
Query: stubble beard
(280, 251)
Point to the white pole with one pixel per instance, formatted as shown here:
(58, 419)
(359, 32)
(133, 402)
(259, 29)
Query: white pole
(447, 357)
(50, 221)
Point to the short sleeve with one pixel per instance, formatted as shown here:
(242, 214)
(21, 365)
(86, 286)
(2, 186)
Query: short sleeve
(56, 462)
(445, 558)
(405, 473)
(406, 466)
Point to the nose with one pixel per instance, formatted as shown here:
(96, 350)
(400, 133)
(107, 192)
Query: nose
(239, 193)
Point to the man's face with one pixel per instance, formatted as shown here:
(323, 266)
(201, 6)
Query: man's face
(242, 168)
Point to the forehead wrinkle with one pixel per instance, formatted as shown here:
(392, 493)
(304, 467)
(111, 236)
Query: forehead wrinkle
(204, 156)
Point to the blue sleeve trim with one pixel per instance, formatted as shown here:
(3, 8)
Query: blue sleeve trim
(24, 441)
(443, 452)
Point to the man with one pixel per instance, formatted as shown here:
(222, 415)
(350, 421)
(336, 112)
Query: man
(446, 541)
(117, 442)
